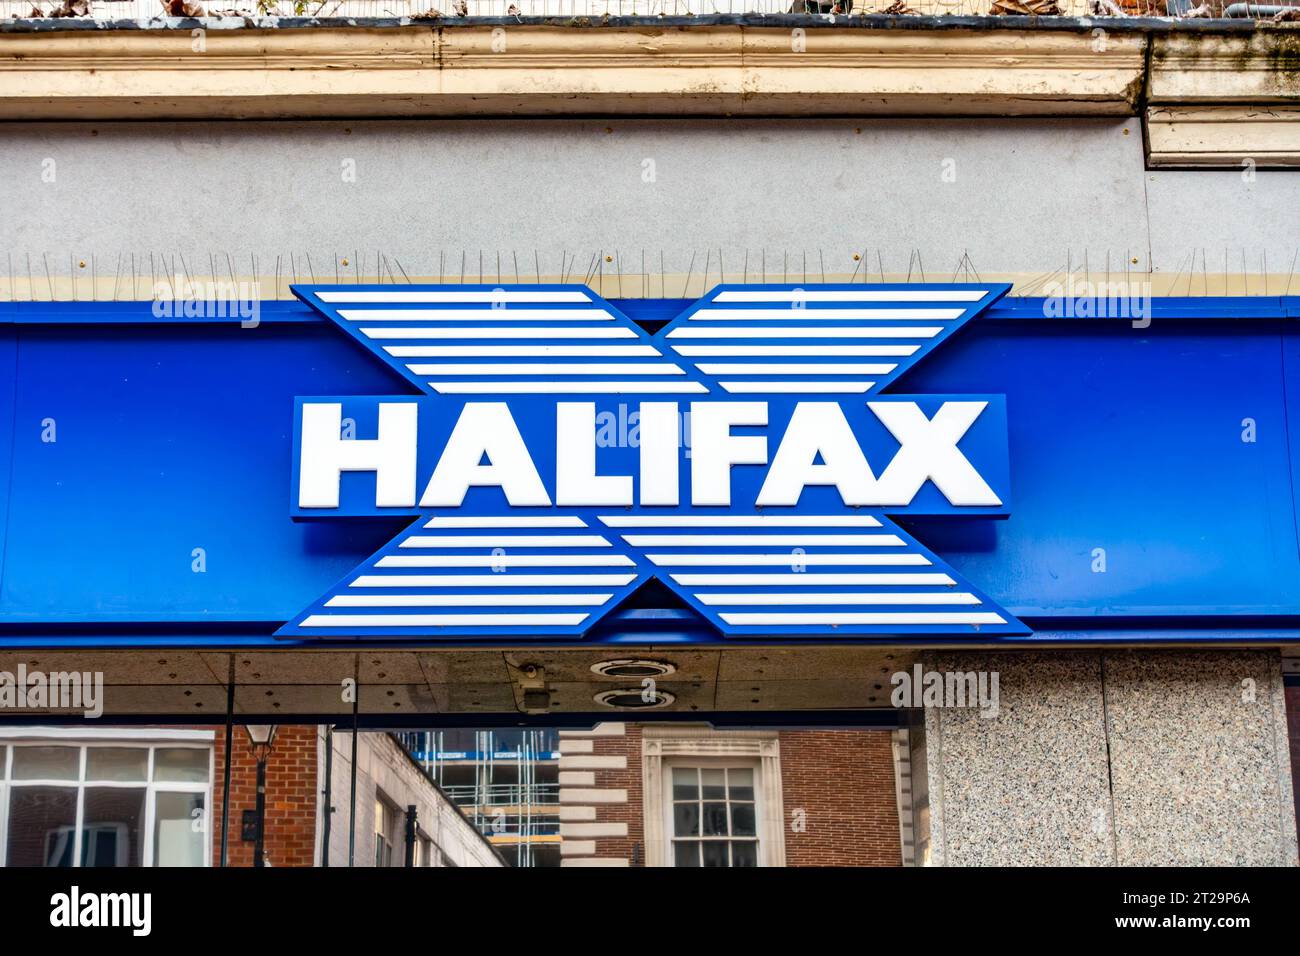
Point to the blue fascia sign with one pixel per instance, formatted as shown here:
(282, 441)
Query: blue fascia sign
(749, 456)
(503, 465)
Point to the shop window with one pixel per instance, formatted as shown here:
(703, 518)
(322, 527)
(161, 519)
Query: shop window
(118, 764)
(179, 836)
(46, 763)
(180, 765)
(42, 826)
(107, 802)
(112, 824)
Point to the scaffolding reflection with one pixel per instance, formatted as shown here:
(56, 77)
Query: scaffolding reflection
(506, 782)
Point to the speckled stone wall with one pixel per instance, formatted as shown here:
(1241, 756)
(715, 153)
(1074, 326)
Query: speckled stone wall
(1128, 757)
(1028, 786)
(1293, 731)
(1199, 759)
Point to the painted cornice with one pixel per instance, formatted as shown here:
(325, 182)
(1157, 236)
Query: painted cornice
(1210, 93)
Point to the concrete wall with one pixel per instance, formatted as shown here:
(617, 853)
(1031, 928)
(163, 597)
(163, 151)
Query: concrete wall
(1017, 196)
(383, 767)
(1126, 758)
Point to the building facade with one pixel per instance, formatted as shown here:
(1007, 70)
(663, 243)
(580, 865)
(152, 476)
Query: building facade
(1114, 196)
(153, 796)
(398, 806)
(687, 795)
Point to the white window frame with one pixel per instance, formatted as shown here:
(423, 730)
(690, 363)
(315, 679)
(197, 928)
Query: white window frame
(387, 837)
(663, 747)
(83, 739)
(701, 764)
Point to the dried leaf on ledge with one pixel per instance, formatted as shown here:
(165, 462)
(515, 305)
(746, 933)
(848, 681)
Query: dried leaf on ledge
(72, 8)
(898, 9)
(180, 8)
(1025, 8)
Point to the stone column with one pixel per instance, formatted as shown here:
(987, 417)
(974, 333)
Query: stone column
(1117, 757)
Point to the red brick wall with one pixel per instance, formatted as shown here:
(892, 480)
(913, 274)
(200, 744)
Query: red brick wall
(290, 838)
(843, 780)
(1293, 732)
(633, 847)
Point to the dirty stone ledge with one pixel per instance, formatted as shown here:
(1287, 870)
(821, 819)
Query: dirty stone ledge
(1144, 25)
(1211, 93)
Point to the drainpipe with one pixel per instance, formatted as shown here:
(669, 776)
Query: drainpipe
(329, 795)
(410, 834)
(225, 773)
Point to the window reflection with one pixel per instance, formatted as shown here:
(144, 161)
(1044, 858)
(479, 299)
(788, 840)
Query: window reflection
(90, 805)
(42, 826)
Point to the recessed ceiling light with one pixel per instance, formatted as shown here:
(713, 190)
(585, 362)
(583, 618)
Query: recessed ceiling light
(634, 698)
(633, 668)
